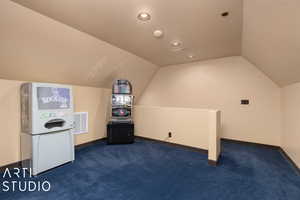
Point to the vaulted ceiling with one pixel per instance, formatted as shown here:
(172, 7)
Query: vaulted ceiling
(66, 37)
(34, 47)
(198, 24)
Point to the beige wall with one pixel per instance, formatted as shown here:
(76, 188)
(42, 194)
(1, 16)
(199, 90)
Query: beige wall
(10, 121)
(221, 84)
(95, 101)
(270, 38)
(188, 126)
(92, 100)
(291, 121)
(191, 127)
(214, 141)
(37, 48)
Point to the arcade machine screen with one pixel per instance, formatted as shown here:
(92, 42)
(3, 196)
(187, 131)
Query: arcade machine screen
(121, 112)
(121, 100)
(50, 98)
(122, 87)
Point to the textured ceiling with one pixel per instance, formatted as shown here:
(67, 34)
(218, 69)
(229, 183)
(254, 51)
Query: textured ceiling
(197, 23)
(271, 38)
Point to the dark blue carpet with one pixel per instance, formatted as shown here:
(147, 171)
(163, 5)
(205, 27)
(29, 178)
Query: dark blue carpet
(155, 171)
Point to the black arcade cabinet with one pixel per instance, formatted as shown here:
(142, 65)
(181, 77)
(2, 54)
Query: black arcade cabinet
(120, 129)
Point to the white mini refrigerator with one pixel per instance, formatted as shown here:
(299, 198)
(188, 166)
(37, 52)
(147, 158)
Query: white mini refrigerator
(47, 119)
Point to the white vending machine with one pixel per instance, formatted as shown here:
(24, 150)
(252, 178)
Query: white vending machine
(46, 123)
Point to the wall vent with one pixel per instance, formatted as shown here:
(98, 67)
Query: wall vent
(81, 122)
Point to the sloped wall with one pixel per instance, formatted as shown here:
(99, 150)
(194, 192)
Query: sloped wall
(270, 38)
(220, 84)
(291, 121)
(37, 48)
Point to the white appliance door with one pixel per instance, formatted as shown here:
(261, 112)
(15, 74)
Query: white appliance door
(51, 150)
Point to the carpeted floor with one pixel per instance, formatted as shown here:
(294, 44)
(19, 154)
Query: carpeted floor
(155, 171)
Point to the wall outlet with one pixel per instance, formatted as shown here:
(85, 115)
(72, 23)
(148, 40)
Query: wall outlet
(170, 134)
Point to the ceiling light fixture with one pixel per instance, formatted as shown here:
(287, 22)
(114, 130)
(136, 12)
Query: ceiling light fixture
(143, 16)
(191, 56)
(176, 43)
(176, 46)
(158, 33)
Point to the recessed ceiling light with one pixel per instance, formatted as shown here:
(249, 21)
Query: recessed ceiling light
(191, 56)
(176, 43)
(143, 16)
(158, 33)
